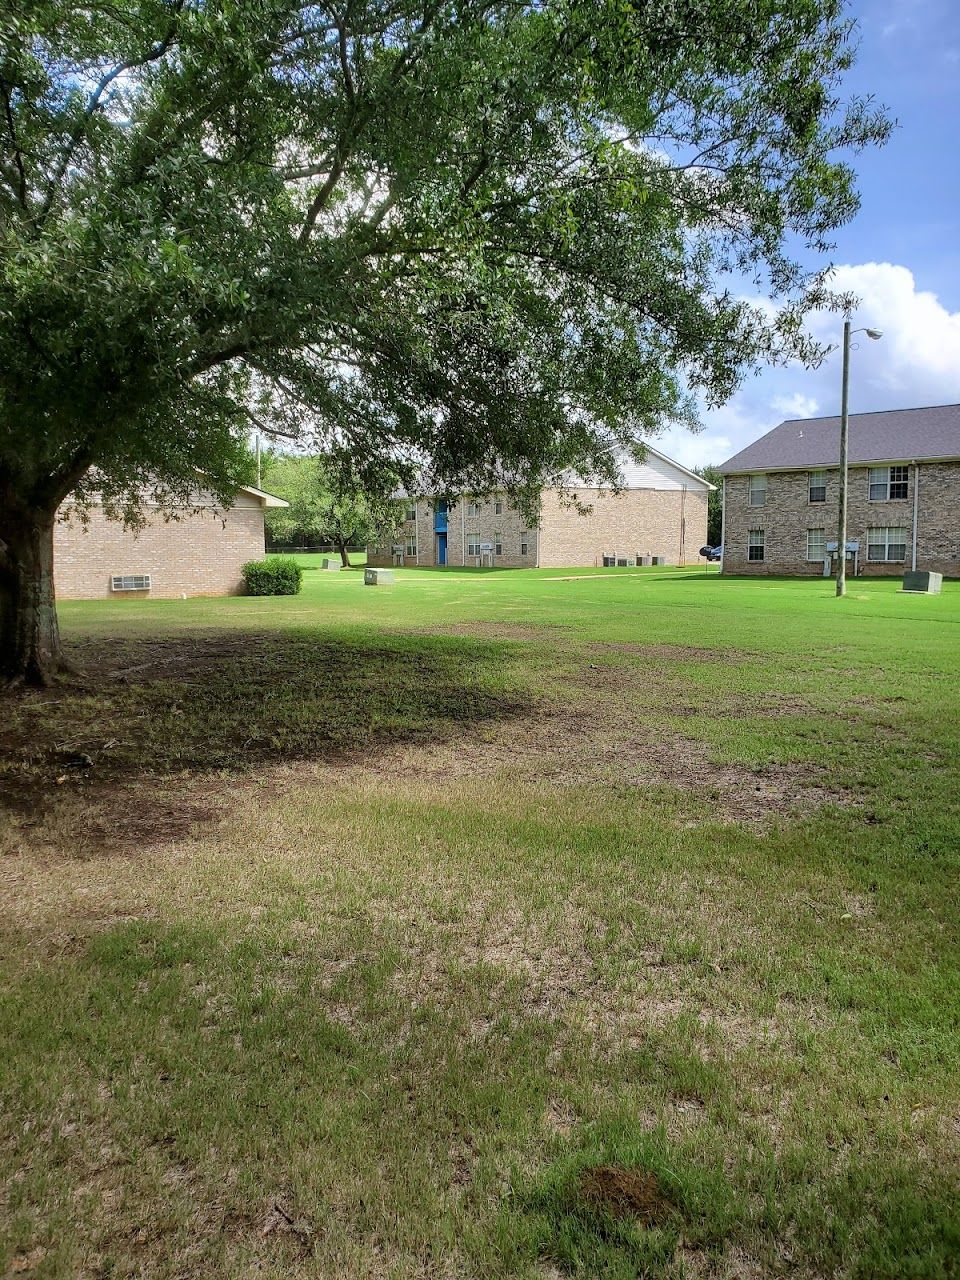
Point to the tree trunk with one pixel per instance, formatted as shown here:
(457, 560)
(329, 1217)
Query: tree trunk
(345, 559)
(30, 649)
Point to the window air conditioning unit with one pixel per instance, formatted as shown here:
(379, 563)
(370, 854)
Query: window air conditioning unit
(130, 582)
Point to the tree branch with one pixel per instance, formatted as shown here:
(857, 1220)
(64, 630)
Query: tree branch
(21, 188)
(95, 100)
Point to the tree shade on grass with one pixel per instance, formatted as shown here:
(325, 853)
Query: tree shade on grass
(494, 236)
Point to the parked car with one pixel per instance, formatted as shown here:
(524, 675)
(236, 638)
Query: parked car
(712, 553)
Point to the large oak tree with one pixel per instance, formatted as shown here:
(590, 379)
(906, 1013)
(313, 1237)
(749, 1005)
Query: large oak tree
(495, 235)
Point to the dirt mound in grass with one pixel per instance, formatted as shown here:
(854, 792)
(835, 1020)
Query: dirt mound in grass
(625, 1193)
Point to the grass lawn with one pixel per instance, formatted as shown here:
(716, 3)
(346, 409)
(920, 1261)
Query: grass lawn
(496, 924)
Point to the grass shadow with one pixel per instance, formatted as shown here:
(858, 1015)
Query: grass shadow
(228, 702)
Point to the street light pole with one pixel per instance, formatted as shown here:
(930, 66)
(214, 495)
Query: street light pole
(874, 335)
(844, 433)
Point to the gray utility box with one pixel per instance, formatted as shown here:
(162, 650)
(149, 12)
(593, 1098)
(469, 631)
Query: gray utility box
(659, 559)
(921, 581)
(377, 577)
(645, 561)
(331, 566)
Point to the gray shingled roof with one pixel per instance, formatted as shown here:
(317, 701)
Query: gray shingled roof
(893, 435)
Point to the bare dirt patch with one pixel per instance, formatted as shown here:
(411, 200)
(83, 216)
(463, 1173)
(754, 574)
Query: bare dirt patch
(126, 819)
(498, 630)
(670, 652)
(587, 742)
(626, 1193)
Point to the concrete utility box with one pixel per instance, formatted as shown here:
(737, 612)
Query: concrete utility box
(659, 559)
(645, 560)
(331, 566)
(378, 577)
(924, 582)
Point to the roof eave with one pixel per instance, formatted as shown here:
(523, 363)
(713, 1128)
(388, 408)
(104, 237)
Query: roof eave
(727, 470)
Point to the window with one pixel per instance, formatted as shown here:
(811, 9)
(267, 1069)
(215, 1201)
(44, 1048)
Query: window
(889, 484)
(498, 508)
(473, 508)
(411, 513)
(130, 582)
(757, 491)
(524, 544)
(886, 544)
(755, 544)
(473, 544)
(411, 549)
(816, 544)
(899, 483)
(817, 481)
(498, 544)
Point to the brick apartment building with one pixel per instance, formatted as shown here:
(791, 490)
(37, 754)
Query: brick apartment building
(199, 552)
(661, 511)
(781, 495)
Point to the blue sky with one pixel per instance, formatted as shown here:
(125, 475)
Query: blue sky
(900, 255)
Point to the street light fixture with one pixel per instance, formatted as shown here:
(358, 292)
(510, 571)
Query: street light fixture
(875, 334)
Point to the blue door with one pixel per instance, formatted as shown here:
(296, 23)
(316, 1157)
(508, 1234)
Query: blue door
(441, 548)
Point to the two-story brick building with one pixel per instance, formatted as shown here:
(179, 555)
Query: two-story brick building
(781, 495)
(661, 511)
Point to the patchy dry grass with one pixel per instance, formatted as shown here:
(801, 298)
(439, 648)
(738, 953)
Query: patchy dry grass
(519, 940)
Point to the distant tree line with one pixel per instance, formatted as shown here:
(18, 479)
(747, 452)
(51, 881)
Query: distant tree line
(713, 476)
(328, 504)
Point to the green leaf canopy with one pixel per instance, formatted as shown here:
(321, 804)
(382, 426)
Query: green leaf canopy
(495, 237)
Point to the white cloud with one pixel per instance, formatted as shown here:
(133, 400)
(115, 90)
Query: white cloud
(916, 362)
(796, 406)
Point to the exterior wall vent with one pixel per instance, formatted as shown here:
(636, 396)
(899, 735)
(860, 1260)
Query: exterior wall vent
(130, 582)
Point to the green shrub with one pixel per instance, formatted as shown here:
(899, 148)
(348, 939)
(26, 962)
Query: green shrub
(274, 576)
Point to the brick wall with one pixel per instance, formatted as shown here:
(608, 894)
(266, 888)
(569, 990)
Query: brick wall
(788, 513)
(514, 533)
(938, 523)
(198, 555)
(654, 522)
(651, 522)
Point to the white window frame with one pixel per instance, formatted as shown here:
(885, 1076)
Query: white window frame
(757, 492)
(882, 479)
(821, 483)
(498, 508)
(880, 538)
(473, 544)
(756, 541)
(498, 544)
(411, 514)
(411, 545)
(473, 508)
(524, 544)
(817, 548)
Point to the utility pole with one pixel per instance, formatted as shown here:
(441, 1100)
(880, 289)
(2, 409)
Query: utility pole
(875, 335)
(844, 433)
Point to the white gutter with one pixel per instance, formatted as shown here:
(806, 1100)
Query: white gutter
(723, 521)
(916, 508)
(463, 532)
